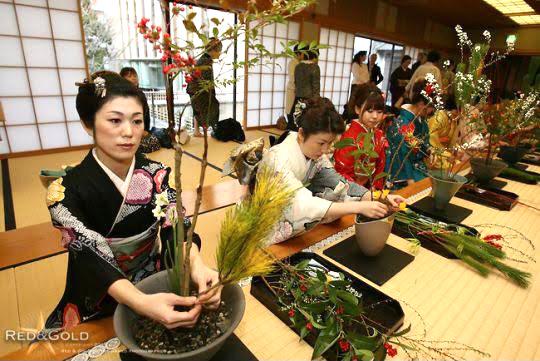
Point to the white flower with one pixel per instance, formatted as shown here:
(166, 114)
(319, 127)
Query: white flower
(158, 212)
(487, 35)
(162, 200)
(477, 48)
(447, 63)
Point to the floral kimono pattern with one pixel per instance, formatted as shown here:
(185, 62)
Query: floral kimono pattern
(409, 157)
(317, 184)
(344, 162)
(108, 236)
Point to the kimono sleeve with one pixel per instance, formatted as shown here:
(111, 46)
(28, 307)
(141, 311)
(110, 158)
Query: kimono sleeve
(94, 266)
(166, 234)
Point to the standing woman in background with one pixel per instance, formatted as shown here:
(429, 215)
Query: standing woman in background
(290, 91)
(307, 82)
(360, 75)
(399, 80)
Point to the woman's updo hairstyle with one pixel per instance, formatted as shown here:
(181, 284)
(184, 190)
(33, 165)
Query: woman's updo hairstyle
(105, 86)
(416, 93)
(320, 116)
(367, 96)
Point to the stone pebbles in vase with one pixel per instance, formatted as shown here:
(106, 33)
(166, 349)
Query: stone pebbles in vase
(125, 321)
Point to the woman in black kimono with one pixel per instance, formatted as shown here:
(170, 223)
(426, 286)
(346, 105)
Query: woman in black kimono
(103, 207)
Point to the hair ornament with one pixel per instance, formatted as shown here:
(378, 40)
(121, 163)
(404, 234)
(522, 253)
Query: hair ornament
(298, 109)
(99, 86)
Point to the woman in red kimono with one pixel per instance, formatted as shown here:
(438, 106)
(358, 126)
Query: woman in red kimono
(369, 105)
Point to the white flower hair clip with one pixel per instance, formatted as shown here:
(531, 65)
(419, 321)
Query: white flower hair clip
(101, 90)
(299, 109)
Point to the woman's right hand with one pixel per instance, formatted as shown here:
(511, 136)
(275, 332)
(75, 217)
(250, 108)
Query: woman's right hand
(372, 209)
(160, 307)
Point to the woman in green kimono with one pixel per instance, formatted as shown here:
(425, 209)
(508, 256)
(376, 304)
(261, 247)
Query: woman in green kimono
(103, 207)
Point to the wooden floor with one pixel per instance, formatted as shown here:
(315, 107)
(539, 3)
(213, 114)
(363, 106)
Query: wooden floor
(455, 303)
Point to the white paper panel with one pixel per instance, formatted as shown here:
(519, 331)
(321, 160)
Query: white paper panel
(278, 99)
(342, 37)
(281, 30)
(253, 84)
(64, 4)
(269, 30)
(66, 25)
(13, 56)
(53, 135)
(8, 23)
(44, 81)
(266, 100)
(280, 66)
(332, 40)
(294, 30)
(276, 113)
(49, 109)
(70, 54)
(267, 67)
(339, 69)
(253, 100)
(42, 3)
(71, 110)
(253, 118)
(18, 110)
(14, 82)
(39, 52)
(340, 56)
(323, 36)
(266, 82)
(23, 138)
(240, 112)
(4, 146)
(78, 135)
(33, 21)
(266, 117)
(269, 44)
(68, 78)
(279, 82)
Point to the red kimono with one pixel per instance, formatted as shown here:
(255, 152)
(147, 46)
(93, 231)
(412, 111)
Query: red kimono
(344, 163)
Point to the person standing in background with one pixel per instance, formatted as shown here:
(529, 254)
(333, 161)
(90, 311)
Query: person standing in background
(203, 101)
(360, 75)
(307, 81)
(130, 74)
(422, 58)
(430, 66)
(290, 91)
(399, 79)
(375, 75)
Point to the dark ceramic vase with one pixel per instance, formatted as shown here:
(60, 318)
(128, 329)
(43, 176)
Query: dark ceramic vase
(512, 155)
(124, 317)
(371, 235)
(485, 172)
(442, 189)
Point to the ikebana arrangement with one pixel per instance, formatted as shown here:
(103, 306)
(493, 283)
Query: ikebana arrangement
(246, 226)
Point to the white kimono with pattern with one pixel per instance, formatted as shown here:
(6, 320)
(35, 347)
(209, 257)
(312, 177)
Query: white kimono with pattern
(318, 184)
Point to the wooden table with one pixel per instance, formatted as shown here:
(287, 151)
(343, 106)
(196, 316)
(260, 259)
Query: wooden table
(455, 303)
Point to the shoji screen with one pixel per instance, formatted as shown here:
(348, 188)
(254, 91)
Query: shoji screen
(335, 63)
(266, 84)
(41, 59)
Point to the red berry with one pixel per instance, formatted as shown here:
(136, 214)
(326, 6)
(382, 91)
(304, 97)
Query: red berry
(339, 310)
(303, 288)
(344, 345)
(291, 313)
(309, 326)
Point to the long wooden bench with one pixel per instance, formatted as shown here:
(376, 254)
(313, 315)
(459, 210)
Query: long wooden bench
(102, 330)
(42, 240)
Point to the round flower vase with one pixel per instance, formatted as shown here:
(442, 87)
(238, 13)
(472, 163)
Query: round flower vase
(124, 320)
(442, 189)
(512, 155)
(371, 235)
(485, 172)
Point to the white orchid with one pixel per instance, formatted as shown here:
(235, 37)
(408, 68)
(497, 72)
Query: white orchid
(161, 199)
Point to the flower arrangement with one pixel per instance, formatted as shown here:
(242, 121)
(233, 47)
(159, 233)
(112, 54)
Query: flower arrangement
(326, 307)
(179, 60)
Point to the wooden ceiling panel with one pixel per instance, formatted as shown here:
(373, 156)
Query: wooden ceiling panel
(471, 14)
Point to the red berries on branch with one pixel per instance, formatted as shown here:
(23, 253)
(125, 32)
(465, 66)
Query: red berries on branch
(390, 350)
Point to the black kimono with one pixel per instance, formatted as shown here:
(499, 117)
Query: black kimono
(204, 103)
(108, 236)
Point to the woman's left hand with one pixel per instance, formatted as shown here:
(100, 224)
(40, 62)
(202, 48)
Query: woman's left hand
(395, 200)
(205, 278)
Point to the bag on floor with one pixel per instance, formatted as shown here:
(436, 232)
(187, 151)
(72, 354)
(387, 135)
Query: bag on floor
(163, 136)
(229, 129)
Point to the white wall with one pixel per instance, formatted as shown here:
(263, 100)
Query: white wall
(41, 58)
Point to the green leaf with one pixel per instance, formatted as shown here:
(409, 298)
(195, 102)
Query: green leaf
(345, 142)
(402, 332)
(347, 297)
(365, 355)
(302, 265)
(373, 154)
(215, 21)
(339, 283)
(215, 31)
(380, 175)
(321, 276)
(191, 15)
(323, 343)
(310, 318)
(303, 332)
(361, 342)
(190, 26)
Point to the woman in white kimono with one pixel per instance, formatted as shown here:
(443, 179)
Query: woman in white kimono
(322, 194)
(103, 207)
